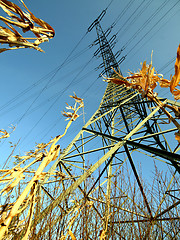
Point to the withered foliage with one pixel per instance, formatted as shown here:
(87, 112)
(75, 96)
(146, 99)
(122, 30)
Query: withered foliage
(4, 134)
(26, 21)
(72, 113)
(39, 159)
(146, 80)
(176, 78)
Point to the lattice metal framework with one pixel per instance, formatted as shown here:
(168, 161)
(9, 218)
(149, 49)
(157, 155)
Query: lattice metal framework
(102, 164)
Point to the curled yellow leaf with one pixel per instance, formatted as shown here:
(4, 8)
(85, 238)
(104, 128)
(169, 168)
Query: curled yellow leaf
(176, 78)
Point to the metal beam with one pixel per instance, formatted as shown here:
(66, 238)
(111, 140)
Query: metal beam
(137, 179)
(92, 169)
(159, 152)
(147, 220)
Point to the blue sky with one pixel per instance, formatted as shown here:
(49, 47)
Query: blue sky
(33, 92)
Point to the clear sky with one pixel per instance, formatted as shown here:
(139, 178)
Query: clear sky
(35, 86)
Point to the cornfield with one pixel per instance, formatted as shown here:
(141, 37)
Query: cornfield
(28, 189)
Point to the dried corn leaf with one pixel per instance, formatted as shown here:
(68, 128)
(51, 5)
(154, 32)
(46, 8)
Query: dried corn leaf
(31, 210)
(176, 94)
(62, 237)
(77, 99)
(28, 195)
(40, 22)
(177, 136)
(119, 81)
(4, 133)
(9, 187)
(26, 21)
(144, 68)
(164, 83)
(72, 235)
(175, 109)
(78, 104)
(176, 78)
(102, 235)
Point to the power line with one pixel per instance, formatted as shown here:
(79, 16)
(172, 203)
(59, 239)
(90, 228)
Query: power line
(122, 12)
(138, 14)
(167, 64)
(28, 89)
(144, 25)
(157, 31)
(58, 97)
(59, 68)
(153, 27)
(52, 78)
(34, 94)
(109, 4)
(59, 93)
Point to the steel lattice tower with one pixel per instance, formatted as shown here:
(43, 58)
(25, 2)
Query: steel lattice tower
(125, 130)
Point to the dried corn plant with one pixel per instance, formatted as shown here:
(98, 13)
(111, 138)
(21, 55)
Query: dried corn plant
(128, 217)
(5, 134)
(146, 80)
(24, 19)
(27, 197)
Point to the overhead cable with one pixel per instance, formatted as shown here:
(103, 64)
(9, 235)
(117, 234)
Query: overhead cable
(122, 12)
(167, 12)
(144, 25)
(139, 10)
(58, 97)
(157, 31)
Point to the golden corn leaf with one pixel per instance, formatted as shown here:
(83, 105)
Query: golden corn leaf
(25, 20)
(77, 99)
(72, 235)
(120, 81)
(62, 238)
(176, 78)
(40, 22)
(176, 94)
(144, 68)
(13, 184)
(102, 235)
(177, 136)
(164, 83)
(70, 115)
(5, 134)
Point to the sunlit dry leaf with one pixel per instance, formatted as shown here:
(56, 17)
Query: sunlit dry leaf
(73, 116)
(67, 114)
(177, 136)
(72, 235)
(40, 22)
(4, 133)
(8, 188)
(78, 104)
(4, 49)
(44, 154)
(62, 238)
(119, 81)
(176, 94)
(77, 99)
(69, 107)
(175, 109)
(26, 21)
(144, 68)
(102, 235)
(176, 78)
(164, 83)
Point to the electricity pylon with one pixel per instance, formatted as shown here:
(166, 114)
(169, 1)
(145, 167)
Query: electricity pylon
(125, 132)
